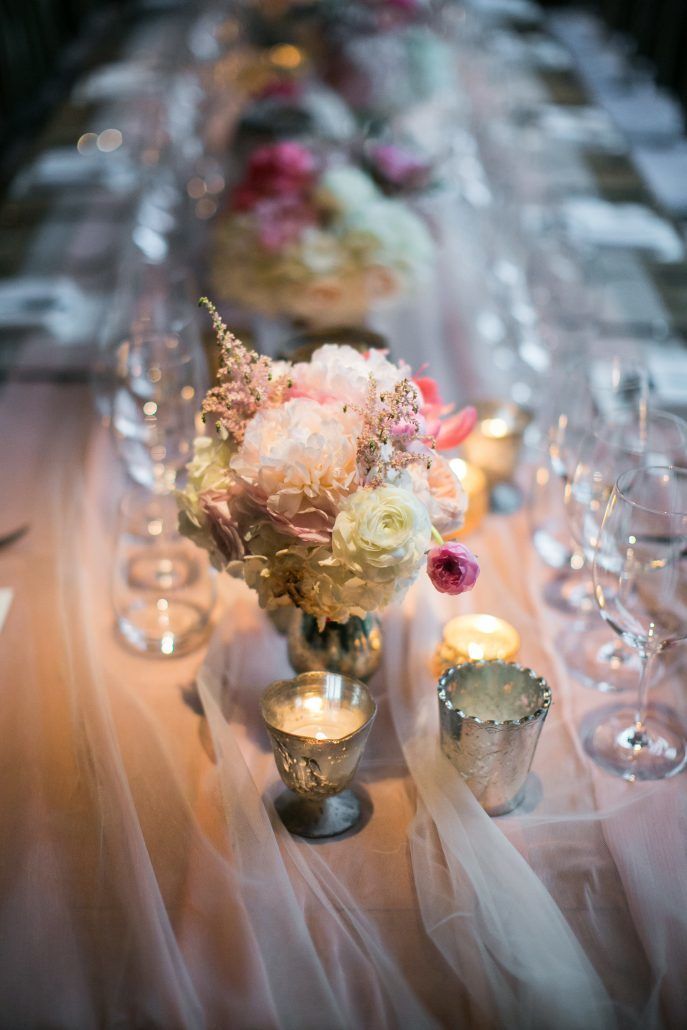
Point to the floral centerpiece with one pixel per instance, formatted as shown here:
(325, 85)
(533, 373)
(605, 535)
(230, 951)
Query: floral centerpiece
(316, 240)
(323, 482)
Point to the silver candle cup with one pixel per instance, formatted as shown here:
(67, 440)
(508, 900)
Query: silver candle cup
(491, 715)
(318, 724)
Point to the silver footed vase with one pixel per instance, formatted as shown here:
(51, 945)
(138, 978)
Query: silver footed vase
(352, 648)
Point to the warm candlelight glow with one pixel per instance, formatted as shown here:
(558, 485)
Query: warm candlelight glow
(495, 427)
(311, 718)
(494, 443)
(477, 491)
(475, 637)
(482, 636)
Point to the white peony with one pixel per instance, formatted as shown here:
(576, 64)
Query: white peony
(382, 535)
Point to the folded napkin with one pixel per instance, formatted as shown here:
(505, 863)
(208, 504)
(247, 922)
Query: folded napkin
(599, 223)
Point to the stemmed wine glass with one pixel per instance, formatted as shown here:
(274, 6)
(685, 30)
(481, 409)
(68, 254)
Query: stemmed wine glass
(584, 389)
(615, 443)
(640, 586)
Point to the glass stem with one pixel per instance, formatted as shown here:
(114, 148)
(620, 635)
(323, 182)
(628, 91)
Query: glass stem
(639, 737)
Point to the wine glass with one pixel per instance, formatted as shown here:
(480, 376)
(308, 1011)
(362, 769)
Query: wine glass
(582, 390)
(640, 586)
(615, 443)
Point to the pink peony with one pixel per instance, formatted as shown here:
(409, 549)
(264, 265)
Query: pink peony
(276, 170)
(452, 568)
(223, 528)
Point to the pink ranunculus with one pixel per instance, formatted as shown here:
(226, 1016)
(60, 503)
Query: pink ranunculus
(400, 167)
(223, 528)
(452, 568)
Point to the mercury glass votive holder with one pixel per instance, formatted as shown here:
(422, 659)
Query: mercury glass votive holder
(318, 724)
(495, 442)
(491, 714)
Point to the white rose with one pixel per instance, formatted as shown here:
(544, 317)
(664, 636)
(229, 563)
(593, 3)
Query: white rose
(382, 535)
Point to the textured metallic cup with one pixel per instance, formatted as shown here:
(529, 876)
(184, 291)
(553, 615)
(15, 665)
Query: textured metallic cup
(353, 648)
(318, 771)
(491, 715)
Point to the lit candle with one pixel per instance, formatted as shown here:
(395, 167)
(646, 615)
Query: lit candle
(477, 492)
(470, 638)
(494, 444)
(315, 719)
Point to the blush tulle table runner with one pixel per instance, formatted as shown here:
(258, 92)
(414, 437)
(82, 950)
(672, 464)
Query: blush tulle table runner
(147, 880)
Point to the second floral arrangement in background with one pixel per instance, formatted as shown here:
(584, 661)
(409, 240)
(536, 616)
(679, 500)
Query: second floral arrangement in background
(323, 482)
(316, 240)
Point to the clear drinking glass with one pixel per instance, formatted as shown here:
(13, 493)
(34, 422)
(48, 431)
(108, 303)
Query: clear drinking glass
(163, 590)
(582, 390)
(640, 586)
(157, 386)
(617, 442)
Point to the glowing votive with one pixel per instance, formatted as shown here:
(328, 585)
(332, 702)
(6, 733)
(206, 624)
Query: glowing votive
(476, 637)
(321, 723)
(472, 638)
(494, 444)
(477, 492)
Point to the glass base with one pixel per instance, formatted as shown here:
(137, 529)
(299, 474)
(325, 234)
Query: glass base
(550, 549)
(166, 627)
(609, 737)
(318, 817)
(597, 659)
(571, 593)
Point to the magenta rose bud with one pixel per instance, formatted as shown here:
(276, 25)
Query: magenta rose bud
(452, 568)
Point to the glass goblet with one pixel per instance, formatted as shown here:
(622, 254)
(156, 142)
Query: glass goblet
(584, 390)
(318, 723)
(640, 586)
(616, 442)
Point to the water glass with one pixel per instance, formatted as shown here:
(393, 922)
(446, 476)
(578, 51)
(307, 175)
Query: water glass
(158, 385)
(163, 590)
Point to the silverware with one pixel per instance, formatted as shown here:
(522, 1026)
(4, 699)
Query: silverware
(14, 535)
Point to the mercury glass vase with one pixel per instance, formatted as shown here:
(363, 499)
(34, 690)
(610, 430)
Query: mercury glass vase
(352, 648)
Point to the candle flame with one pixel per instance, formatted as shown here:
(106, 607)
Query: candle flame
(496, 427)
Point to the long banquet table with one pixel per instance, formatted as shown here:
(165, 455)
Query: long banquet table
(145, 879)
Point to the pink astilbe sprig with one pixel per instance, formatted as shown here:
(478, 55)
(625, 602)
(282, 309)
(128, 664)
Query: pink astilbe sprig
(390, 426)
(245, 382)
